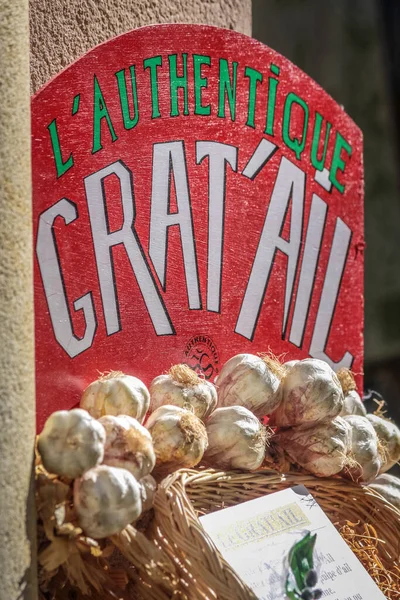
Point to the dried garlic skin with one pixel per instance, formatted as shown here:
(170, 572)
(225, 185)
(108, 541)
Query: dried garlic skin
(179, 438)
(389, 487)
(148, 488)
(364, 459)
(309, 392)
(106, 500)
(128, 445)
(116, 394)
(236, 439)
(389, 436)
(246, 380)
(71, 443)
(353, 405)
(199, 396)
(320, 448)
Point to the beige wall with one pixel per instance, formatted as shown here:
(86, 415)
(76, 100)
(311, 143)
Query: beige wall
(63, 30)
(17, 400)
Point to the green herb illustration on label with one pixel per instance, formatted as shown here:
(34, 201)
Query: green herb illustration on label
(302, 577)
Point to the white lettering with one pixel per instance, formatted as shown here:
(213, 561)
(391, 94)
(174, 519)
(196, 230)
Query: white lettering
(169, 159)
(104, 241)
(329, 296)
(53, 283)
(315, 230)
(290, 184)
(219, 155)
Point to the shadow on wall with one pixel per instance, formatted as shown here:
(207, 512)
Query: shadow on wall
(349, 48)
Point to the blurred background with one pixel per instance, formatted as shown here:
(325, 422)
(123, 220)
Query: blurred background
(352, 49)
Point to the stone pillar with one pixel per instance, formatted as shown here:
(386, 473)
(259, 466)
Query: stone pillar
(63, 30)
(17, 399)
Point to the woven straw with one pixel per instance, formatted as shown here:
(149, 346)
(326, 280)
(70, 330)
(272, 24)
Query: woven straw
(172, 556)
(186, 494)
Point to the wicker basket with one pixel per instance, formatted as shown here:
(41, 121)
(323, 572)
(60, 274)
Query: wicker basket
(171, 556)
(369, 523)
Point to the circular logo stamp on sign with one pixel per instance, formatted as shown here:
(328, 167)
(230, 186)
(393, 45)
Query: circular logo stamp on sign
(202, 356)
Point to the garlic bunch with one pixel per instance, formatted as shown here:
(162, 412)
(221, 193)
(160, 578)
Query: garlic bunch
(116, 394)
(389, 437)
(128, 445)
(148, 487)
(389, 487)
(71, 443)
(106, 500)
(179, 438)
(181, 386)
(320, 448)
(236, 439)
(249, 381)
(363, 462)
(309, 392)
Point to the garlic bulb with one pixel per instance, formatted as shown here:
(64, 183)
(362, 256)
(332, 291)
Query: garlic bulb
(128, 445)
(71, 443)
(236, 439)
(106, 500)
(389, 437)
(249, 381)
(116, 394)
(148, 487)
(179, 438)
(181, 386)
(320, 448)
(289, 364)
(310, 392)
(353, 405)
(363, 462)
(389, 487)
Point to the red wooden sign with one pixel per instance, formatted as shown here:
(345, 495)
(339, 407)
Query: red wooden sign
(195, 195)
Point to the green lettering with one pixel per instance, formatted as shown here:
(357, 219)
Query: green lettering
(294, 144)
(61, 166)
(273, 86)
(316, 162)
(275, 69)
(100, 112)
(200, 82)
(176, 82)
(227, 87)
(338, 163)
(75, 106)
(153, 63)
(129, 122)
(254, 78)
